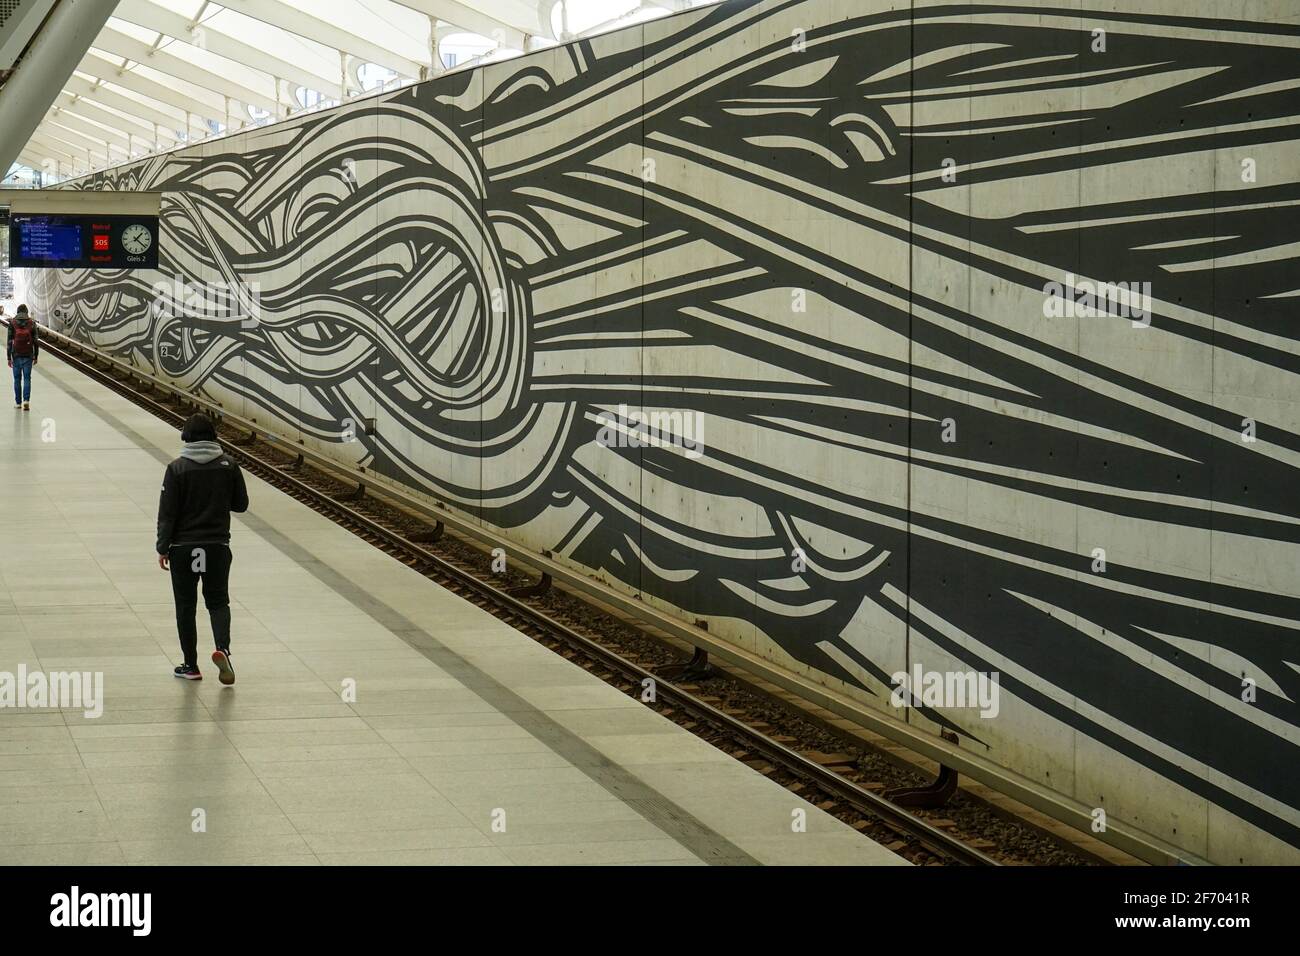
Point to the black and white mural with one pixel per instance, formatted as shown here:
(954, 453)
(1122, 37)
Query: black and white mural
(965, 337)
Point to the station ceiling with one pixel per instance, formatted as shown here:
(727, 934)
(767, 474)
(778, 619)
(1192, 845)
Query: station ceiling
(162, 73)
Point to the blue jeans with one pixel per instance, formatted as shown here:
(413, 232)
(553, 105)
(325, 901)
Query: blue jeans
(22, 378)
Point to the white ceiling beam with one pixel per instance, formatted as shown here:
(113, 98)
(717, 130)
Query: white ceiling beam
(102, 69)
(30, 160)
(474, 20)
(48, 150)
(121, 45)
(78, 145)
(48, 153)
(46, 138)
(293, 20)
(62, 117)
(30, 156)
(527, 15)
(73, 105)
(151, 16)
(103, 157)
(149, 114)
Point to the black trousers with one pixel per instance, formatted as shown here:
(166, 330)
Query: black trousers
(209, 563)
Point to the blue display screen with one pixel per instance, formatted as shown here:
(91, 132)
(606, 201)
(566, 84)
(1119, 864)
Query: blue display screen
(49, 239)
(76, 241)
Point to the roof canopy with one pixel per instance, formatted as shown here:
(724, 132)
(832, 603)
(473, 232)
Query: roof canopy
(166, 72)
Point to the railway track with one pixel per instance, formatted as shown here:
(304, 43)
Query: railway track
(416, 543)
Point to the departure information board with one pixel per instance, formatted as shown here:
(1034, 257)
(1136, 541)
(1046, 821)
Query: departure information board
(50, 241)
(82, 242)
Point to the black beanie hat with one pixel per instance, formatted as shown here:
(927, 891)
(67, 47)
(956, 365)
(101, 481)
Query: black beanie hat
(198, 427)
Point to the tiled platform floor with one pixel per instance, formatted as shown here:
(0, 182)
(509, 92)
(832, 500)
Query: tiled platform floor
(459, 721)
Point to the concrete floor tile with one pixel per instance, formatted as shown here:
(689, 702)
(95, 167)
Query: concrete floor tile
(598, 854)
(458, 856)
(62, 854)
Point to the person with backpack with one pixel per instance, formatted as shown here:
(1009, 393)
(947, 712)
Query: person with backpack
(24, 348)
(200, 489)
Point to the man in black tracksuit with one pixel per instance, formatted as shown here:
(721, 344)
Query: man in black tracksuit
(200, 490)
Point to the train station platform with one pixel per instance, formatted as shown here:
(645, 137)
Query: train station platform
(467, 743)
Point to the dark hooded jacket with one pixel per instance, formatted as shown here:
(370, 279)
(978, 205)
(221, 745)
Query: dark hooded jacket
(200, 489)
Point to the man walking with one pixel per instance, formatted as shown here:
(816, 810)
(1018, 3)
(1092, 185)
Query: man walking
(23, 349)
(200, 489)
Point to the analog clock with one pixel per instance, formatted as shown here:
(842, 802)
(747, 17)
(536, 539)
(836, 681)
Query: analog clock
(136, 239)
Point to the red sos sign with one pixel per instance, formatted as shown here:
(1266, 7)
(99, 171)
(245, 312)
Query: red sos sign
(101, 243)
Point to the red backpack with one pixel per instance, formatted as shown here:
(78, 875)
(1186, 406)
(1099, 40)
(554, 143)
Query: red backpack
(23, 339)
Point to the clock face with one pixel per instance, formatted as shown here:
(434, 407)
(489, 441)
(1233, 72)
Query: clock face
(136, 239)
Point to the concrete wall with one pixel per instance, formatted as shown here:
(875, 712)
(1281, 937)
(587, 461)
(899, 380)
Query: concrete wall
(825, 231)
